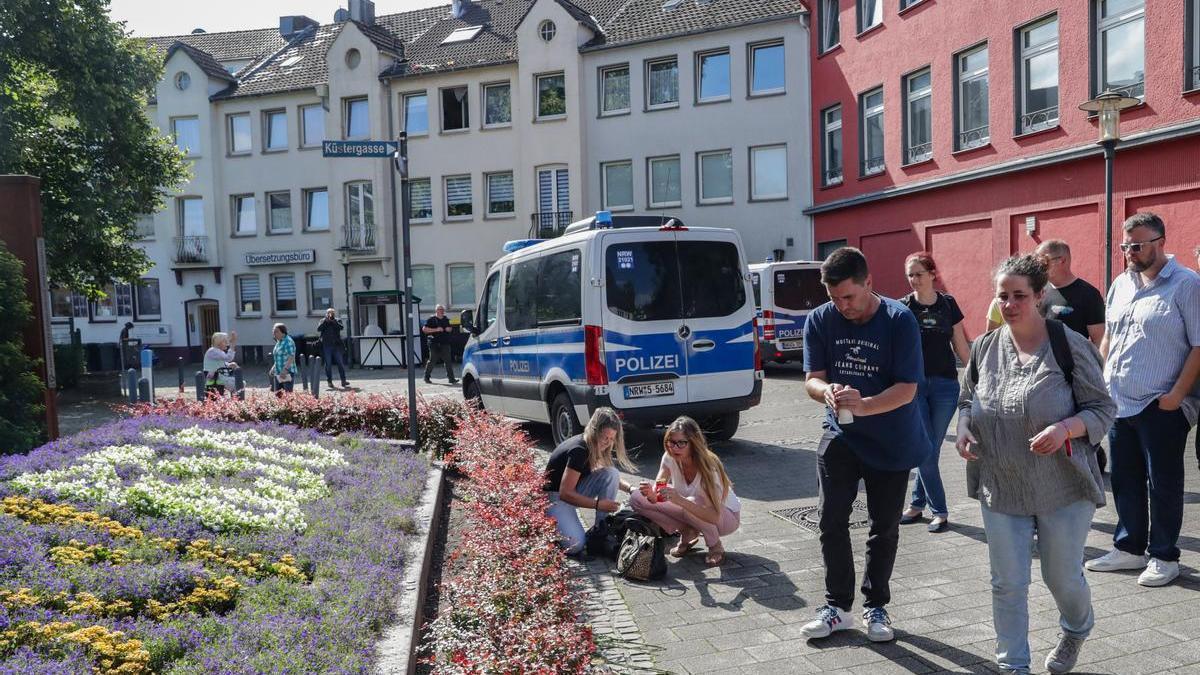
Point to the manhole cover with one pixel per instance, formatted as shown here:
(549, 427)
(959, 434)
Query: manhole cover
(809, 517)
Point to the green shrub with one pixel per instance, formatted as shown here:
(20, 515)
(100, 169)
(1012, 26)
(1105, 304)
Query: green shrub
(21, 390)
(68, 365)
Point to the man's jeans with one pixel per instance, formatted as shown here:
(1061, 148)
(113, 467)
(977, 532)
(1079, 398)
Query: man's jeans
(602, 483)
(1061, 535)
(838, 473)
(938, 399)
(1147, 463)
(331, 354)
(439, 353)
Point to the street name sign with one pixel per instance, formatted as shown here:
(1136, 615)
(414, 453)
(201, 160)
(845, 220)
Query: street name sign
(359, 148)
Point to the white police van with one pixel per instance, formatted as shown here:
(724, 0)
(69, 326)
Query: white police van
(784, 293)
(639, 313)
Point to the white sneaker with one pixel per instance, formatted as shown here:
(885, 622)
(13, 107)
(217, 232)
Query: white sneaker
(1116, 560)
(1159, 572)
(829, 620)
(879, 625)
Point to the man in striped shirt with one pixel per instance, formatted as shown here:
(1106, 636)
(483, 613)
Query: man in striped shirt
(1152, 351)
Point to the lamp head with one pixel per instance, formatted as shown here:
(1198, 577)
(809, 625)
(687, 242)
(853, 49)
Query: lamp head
(1108, 107)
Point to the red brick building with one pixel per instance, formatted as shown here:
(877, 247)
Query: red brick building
(953, 126)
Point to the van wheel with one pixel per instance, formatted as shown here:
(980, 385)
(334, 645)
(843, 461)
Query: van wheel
(563, 424)
(472, 394)
(722, 427)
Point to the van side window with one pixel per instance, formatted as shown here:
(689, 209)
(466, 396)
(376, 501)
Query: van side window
(756, 283)
(491, 302)
(559, 295)
(711, 275)
(520, 295)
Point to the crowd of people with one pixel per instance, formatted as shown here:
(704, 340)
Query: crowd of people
(1059, 369)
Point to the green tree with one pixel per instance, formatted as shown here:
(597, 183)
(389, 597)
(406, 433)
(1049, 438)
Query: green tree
(73, 91)
(21, 389)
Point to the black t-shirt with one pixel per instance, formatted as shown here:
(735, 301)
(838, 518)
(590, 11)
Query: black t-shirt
(439, 338)
(937, 323)
(570, 454)
(1085, 307)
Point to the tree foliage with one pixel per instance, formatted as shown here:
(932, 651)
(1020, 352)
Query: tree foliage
(21, 389)
(73, 91)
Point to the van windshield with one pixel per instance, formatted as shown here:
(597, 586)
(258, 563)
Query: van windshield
(799, 290)
(662, 280)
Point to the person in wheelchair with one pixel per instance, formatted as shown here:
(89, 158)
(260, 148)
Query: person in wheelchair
(220, 362)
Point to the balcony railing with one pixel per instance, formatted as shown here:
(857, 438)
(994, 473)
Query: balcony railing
(1196, 77)
(919, 152)
(359, 238)
(1135, 90)
(548, 224)
(191, 249)
(869, 166)
(1039, 119)
(833, 176)
(973, 138)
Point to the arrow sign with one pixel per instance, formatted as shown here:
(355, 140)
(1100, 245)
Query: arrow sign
(359, 148)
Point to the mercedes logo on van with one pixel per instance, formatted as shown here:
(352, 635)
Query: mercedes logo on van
(684, 332)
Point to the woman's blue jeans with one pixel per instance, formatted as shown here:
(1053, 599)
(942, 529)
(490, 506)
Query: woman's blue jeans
(938, 398)
(602, 483)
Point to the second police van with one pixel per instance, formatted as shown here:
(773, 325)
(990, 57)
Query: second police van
(639, 313)
(784, 294)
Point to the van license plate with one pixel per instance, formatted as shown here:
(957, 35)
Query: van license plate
(648, 390)
(790, 345)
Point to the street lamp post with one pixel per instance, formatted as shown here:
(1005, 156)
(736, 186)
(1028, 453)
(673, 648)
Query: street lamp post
(1109, 106)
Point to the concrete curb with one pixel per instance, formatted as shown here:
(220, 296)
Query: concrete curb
(398, 647)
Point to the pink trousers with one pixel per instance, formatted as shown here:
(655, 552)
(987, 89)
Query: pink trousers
(673, 518)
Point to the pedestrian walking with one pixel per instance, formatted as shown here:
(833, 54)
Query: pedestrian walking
(1083, 308)
(330, 330)
(1045, 487)
(692, 494)
(437, 327)
(942, 338)
(283, 368)
(1152, 356)
(862, 353)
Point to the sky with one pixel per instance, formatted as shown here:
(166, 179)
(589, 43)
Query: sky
(148, 18)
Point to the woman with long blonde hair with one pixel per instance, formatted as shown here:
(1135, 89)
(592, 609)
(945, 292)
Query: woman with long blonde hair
(698, 499)
(580, 474)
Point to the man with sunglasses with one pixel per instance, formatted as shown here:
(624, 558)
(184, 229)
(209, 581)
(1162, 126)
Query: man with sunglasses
(1152, 357)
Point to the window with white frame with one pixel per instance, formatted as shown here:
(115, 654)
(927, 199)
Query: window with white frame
(497, 104)
(124, 299)
(145, 227)
(1037, 73)
(1192, 72)
(831, 145)
(830, 24)
(147, 300)
(275, 130)
(360, 208)
(614, 89)
(190, 211)
(312, 125)
(767, 72)
(461, 281)
(239, 133)
(320, 292)
(245, 220)
(870, 141)
(458, 197)
(712, 76)
(283, 293)
(768, 172)
(918, 116)
(249, 295)
(357, 122)
(79, 306)
(500, 198)
(423, 285)
(870, 14)
(279, 212)
(617, 188)
(551, 96)
(662, 83)
(416, 113)
(420, 200)
(1121, 47)
(316, 209)
(971, 73)
(60, 303)
(665, 188)
(186, 131)
(104, 309)
(715, 171)
(456, 111)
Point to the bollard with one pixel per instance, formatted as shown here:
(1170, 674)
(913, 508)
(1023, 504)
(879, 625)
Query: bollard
(179, 365)
(200, 393)
(131, 379)
(148, 371)
(302, 366)
(239, 384)
(143, 390)
(316, 377)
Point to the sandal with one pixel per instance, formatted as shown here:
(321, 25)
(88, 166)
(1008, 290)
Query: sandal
(681, 549)
(715, 556)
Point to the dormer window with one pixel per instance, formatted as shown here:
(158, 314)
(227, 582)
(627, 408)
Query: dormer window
(462, 34)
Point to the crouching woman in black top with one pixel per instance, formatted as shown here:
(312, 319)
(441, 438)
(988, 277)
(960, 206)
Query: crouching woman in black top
(580, 474)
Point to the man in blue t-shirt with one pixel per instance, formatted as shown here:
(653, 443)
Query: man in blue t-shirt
(862, 353)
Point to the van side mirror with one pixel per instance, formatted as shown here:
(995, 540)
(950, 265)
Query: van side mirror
(466, 319)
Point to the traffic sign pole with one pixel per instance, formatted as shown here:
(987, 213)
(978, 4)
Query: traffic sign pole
(400, 166)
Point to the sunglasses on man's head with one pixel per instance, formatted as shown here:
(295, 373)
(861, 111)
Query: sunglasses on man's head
(1136, 246)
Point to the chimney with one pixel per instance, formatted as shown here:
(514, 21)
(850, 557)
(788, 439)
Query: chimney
(459, 7)
(289, 26)
(363, 11)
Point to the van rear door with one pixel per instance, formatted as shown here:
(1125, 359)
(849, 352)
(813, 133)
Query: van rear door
(795, 292)
(645, 341)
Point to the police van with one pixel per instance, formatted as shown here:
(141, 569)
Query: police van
(784, 293)
(640, 313)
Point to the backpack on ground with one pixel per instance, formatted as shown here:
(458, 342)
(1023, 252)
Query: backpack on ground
(641, 557)
(604, 538)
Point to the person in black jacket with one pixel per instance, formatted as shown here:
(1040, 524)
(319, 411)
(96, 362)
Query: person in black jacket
(331, 346)
(437, 328)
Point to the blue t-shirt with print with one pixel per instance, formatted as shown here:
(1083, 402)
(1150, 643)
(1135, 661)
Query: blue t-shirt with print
(871, 357)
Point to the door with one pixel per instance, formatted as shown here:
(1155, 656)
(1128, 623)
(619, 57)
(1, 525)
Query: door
(486, 355)
(520, 381)
(210, 322)
(554, 201)
(795, 292)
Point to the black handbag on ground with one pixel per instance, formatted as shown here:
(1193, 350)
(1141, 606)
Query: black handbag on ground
(641, 557)
(604, 538)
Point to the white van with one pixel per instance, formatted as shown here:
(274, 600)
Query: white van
(784, 293)
(639, 313)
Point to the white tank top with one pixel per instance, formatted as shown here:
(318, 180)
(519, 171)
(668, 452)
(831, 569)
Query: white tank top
(693, 489)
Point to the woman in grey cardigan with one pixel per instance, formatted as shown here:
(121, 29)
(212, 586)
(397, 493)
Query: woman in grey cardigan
(1029, 440)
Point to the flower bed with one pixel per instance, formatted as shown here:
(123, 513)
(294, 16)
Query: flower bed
(378, 415)
(509, 604)
(167, 544)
